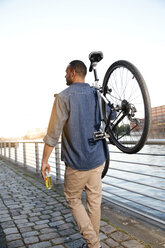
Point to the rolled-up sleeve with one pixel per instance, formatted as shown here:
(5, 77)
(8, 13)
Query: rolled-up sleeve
(57, 121)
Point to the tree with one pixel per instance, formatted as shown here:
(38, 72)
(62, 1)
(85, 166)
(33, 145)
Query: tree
(123, 130)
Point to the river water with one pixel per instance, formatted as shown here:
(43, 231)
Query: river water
(138, 180)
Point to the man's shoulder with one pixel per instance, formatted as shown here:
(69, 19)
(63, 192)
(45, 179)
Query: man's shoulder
(62, 93)
(74, 88)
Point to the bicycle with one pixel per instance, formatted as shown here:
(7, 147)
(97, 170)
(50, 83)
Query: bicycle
(123, 94)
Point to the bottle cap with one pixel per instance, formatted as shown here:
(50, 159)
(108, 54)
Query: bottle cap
(47, 173)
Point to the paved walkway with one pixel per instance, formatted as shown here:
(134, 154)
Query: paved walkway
(33, 217)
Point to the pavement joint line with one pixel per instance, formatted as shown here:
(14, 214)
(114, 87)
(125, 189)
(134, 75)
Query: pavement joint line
(25, 201)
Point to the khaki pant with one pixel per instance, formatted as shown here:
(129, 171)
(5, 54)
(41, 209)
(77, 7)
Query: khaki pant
(75, 182)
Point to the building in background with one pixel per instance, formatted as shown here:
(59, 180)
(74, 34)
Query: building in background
(35, 133)
(158, 123)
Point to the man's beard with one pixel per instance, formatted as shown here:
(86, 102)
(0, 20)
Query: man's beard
(68, 82)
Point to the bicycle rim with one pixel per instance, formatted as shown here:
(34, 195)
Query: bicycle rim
(125, 87)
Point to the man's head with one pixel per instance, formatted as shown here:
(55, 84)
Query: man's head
(75, 72)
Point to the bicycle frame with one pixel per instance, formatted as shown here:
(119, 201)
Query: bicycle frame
(102, 133)
(103, 128)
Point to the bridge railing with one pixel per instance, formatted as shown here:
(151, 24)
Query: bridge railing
(135, 182)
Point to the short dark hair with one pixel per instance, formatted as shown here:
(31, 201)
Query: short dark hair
(79, 67)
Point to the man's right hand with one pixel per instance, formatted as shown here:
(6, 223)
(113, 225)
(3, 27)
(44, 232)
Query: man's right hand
(44, 165)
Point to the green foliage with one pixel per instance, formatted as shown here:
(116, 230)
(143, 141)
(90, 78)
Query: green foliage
(123, 130)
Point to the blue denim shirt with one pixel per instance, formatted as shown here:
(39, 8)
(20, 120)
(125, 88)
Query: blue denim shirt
(76, 115)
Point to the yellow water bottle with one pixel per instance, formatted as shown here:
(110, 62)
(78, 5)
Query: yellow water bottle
(48, 180)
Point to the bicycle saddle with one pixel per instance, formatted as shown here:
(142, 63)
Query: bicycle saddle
(95, 57)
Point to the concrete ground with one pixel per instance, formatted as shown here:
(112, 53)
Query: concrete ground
(32, 216)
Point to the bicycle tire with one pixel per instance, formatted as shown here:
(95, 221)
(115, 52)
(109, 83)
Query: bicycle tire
(106, 167)
(124, 85)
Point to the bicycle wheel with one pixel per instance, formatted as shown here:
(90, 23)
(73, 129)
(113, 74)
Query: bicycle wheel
(106, 166)
(125, 87)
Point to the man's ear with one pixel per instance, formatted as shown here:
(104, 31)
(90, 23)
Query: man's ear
(73, 73)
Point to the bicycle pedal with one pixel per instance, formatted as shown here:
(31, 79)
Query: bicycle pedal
(99, 135)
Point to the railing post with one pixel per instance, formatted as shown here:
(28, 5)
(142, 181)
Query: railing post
(15, 147)
(1, 148)
(5, 149)
(37, 157)
(9, 145)
(57, 161)
(24, 154)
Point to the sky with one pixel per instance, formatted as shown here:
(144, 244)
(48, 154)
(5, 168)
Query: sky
(38, 39)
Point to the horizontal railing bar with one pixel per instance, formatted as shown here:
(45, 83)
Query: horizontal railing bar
(21, 142)
(130, 181)
(142, 204)
(147, 154)
(50, 161)
(40, 153)
(27, 142)
(20, 155)
(21, 160)
(137, 173)
(30, 152)
(132, 191)
(132, 162)
(149, 142)
(31, 160)
(151, 217)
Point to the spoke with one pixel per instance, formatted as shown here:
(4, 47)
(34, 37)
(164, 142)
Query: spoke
(115, 98)
(133, 90)
(114, 87)
(125, 86)
(124, 83)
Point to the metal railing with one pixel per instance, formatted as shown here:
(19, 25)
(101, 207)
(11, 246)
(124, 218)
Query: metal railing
(135, 182)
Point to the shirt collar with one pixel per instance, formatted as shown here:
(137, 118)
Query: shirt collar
(81, 84)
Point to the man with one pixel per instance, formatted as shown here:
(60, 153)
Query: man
(76, 115)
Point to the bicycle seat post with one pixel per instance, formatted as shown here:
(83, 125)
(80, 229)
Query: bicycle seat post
(95, 74)
(94, 58)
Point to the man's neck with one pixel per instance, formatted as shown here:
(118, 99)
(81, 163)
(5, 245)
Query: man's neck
(79, 80)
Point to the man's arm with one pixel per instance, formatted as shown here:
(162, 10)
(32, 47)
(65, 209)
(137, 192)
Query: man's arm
(58, 118)
(46, 154)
